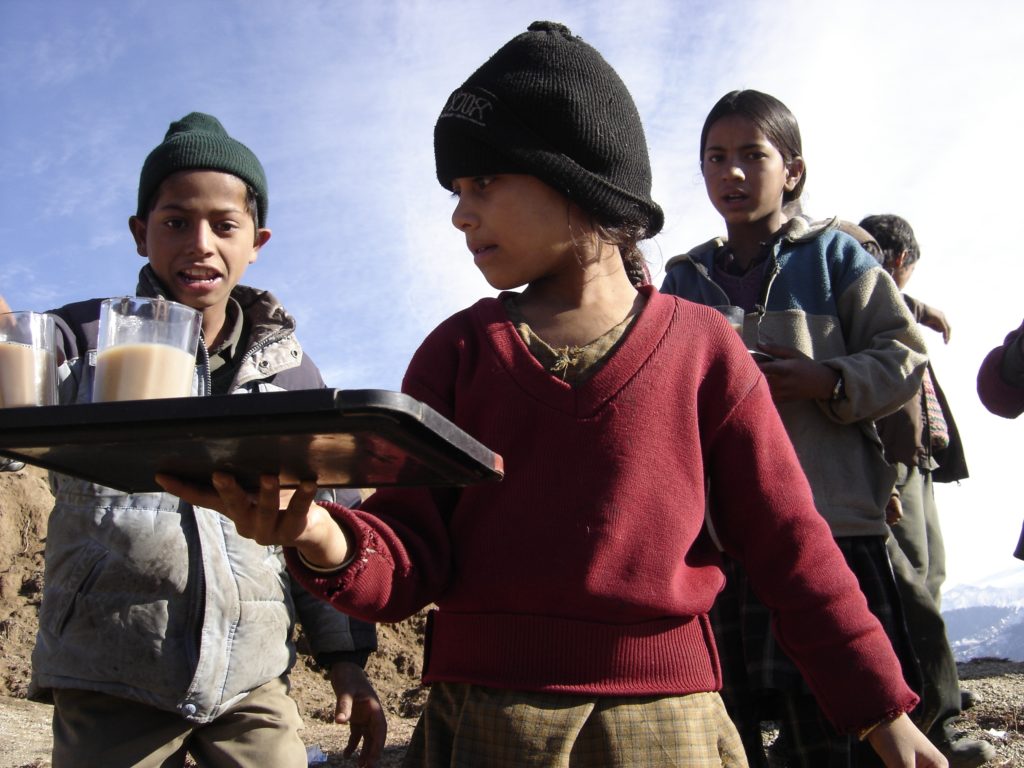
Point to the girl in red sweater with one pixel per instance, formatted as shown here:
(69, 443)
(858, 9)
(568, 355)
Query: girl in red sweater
(572, 598)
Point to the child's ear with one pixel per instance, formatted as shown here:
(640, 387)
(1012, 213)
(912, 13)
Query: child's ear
(138, 230)
(899, 261)
(794, 172)
(262, 236)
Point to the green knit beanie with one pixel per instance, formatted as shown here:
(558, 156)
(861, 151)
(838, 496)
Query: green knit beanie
(199, 142)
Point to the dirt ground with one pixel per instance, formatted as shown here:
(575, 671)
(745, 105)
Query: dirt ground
(25, 726)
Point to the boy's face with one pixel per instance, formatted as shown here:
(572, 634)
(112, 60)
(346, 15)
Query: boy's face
(199, 237)
(901, 269)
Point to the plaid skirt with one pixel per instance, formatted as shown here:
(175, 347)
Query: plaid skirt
(468, 726)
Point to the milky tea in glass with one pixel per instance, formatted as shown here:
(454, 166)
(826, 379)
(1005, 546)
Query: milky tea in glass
(734, 315)
(28, 371)
(146, 349)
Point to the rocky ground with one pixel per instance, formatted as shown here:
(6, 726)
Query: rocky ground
(24, 725)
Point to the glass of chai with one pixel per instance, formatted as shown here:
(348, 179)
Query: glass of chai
(146, 349)
(734, 315)
(28, 370)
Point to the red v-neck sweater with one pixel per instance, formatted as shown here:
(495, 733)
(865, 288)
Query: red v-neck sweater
(589, 568)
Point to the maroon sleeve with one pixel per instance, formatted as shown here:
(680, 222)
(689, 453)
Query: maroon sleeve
(996, 393)
(402, 559)
(398, 568)
(764, 513)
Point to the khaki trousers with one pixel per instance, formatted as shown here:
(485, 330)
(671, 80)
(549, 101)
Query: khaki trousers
(95, 730)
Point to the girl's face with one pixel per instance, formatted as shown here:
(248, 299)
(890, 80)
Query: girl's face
(745, 175)
(516, 227)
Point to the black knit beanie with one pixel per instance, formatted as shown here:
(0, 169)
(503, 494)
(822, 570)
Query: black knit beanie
(199, 142)
(547, 104)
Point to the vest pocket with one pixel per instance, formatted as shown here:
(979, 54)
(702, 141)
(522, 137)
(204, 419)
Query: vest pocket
(59, 604)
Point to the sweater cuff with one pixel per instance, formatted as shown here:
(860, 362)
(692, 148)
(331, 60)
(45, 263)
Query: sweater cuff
(863, 733)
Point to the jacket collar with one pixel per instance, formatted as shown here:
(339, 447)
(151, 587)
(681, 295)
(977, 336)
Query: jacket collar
(267, 317)
(800, 230)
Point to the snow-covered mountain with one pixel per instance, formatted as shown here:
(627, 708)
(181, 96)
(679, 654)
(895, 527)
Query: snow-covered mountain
(987, 619)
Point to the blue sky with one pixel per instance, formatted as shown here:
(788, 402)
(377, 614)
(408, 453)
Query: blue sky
(904, 108)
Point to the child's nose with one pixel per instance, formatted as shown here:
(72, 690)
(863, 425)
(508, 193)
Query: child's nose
(463, 217)
(202, 236)
(733, 171)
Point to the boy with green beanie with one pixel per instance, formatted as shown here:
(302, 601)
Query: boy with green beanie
(162, 631)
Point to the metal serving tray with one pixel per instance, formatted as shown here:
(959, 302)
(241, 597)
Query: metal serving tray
(359, 438)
